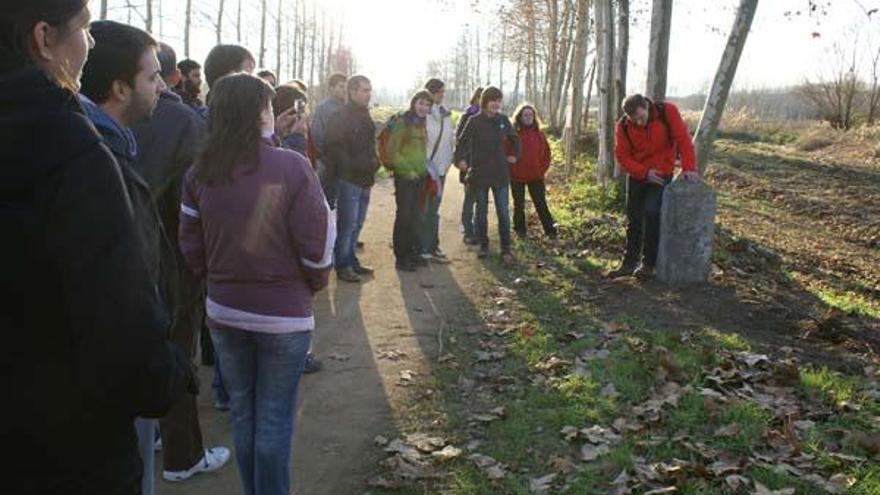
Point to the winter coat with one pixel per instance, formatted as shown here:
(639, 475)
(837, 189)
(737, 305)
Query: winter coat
(469, 112)
(407, 146)
(655, 146)
(440, 119)
(535, 157)
(264, 242)
(85, 346)
(167, 146)
(483, 145)
(350, 145)
(319, 122)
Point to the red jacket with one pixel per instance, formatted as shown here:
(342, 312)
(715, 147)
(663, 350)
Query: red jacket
(656, 145)
(534, 159)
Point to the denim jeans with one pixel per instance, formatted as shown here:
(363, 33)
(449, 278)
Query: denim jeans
(643, 203)
(352, 202)
(481, 221)
(220, 394)
(261, 373)
(146, 435)
(407, 216)
(430, 228)
(467, 212)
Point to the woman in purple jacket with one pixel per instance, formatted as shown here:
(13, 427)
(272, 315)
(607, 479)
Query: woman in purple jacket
(254, 222)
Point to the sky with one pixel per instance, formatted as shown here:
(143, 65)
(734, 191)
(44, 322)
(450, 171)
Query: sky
(392, 40)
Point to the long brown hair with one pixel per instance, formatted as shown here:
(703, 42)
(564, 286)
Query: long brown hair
(17, 23)
(234, 127)
(517, 117)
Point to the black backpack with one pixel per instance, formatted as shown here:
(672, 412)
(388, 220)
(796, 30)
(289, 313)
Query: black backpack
(661, 114)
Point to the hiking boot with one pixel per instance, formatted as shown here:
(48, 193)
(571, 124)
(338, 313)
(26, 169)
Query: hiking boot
(470, 240)
(348, 274)
(484, 252)
(313, 364)
(212, 460)
(625, 270)
(405, 265)
(363, 270)
(420, 260)
(644, 272)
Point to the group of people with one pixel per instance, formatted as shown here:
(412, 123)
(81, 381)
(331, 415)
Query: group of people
(139, 212)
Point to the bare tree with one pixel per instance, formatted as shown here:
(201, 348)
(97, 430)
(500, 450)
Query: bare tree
(263, 12)
(218, 23)
(621, 55)
(581, 41)
(237, 24)
(148, 20)
(874, 91)
(658, 50)
(711, 118)
(187, 27)
(104, 10)
(278, 45)
(605, 53)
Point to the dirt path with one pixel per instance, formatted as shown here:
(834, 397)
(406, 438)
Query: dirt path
(361, 330)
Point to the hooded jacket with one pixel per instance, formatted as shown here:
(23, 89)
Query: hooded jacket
(535, 157)
(484, 145)
(85, 337)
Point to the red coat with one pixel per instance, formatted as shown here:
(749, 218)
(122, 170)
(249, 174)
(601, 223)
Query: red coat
(656, 145)
(534, 159)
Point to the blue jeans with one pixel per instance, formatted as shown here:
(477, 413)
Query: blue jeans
(467, 212)
(430, 229)
(481, 222)
(146, 435)
(220, 394)
(261, 373)
(352, 201)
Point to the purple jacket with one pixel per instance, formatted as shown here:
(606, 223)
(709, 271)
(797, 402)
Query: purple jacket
(264, 240)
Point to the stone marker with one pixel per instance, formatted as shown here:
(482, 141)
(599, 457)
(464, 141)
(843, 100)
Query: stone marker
(687, 232)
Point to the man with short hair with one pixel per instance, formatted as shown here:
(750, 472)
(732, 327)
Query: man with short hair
(189, 87)
(649, 138)
(351, 160)
(121, 83)
(269, 77)
(167, 146)
(334, 101)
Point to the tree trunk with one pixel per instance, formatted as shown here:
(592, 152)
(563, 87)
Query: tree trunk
(263, 11)
(579, 63)
(148, 21)
(605, 50)
(553, 63)
(589, 96)
(218, 27)
(658, 50)
(501, 55)
(621, 55)
(238, 23)
(187, 27)
(278, 45)
(312, 46)
(104, 10)
(711, 118)
(301, 27)
(516, 81)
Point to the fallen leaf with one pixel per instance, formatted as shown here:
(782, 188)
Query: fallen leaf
(542, 484)
(447, 453)
(380, 441)
(735, 482)
(590, 452)
(728, 431)
(763, 490)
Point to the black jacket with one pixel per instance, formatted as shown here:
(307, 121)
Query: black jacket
(484, 144)
(167, 145)
(350, 145)
(85, 348)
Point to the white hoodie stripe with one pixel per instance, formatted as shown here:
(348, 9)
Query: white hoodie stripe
(329, 243)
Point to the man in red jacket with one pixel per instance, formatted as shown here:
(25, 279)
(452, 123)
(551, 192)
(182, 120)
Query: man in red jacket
(649, 139)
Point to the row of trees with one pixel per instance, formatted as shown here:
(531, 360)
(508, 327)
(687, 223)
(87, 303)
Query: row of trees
(294, 38)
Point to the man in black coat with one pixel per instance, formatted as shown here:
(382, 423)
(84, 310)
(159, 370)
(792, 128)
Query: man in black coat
(351, 159)
(167, 145)
(85, 346)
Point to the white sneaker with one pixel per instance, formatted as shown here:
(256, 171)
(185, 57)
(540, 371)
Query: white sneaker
(213, 460)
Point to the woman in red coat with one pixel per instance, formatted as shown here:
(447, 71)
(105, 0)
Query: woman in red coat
(529, 171)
